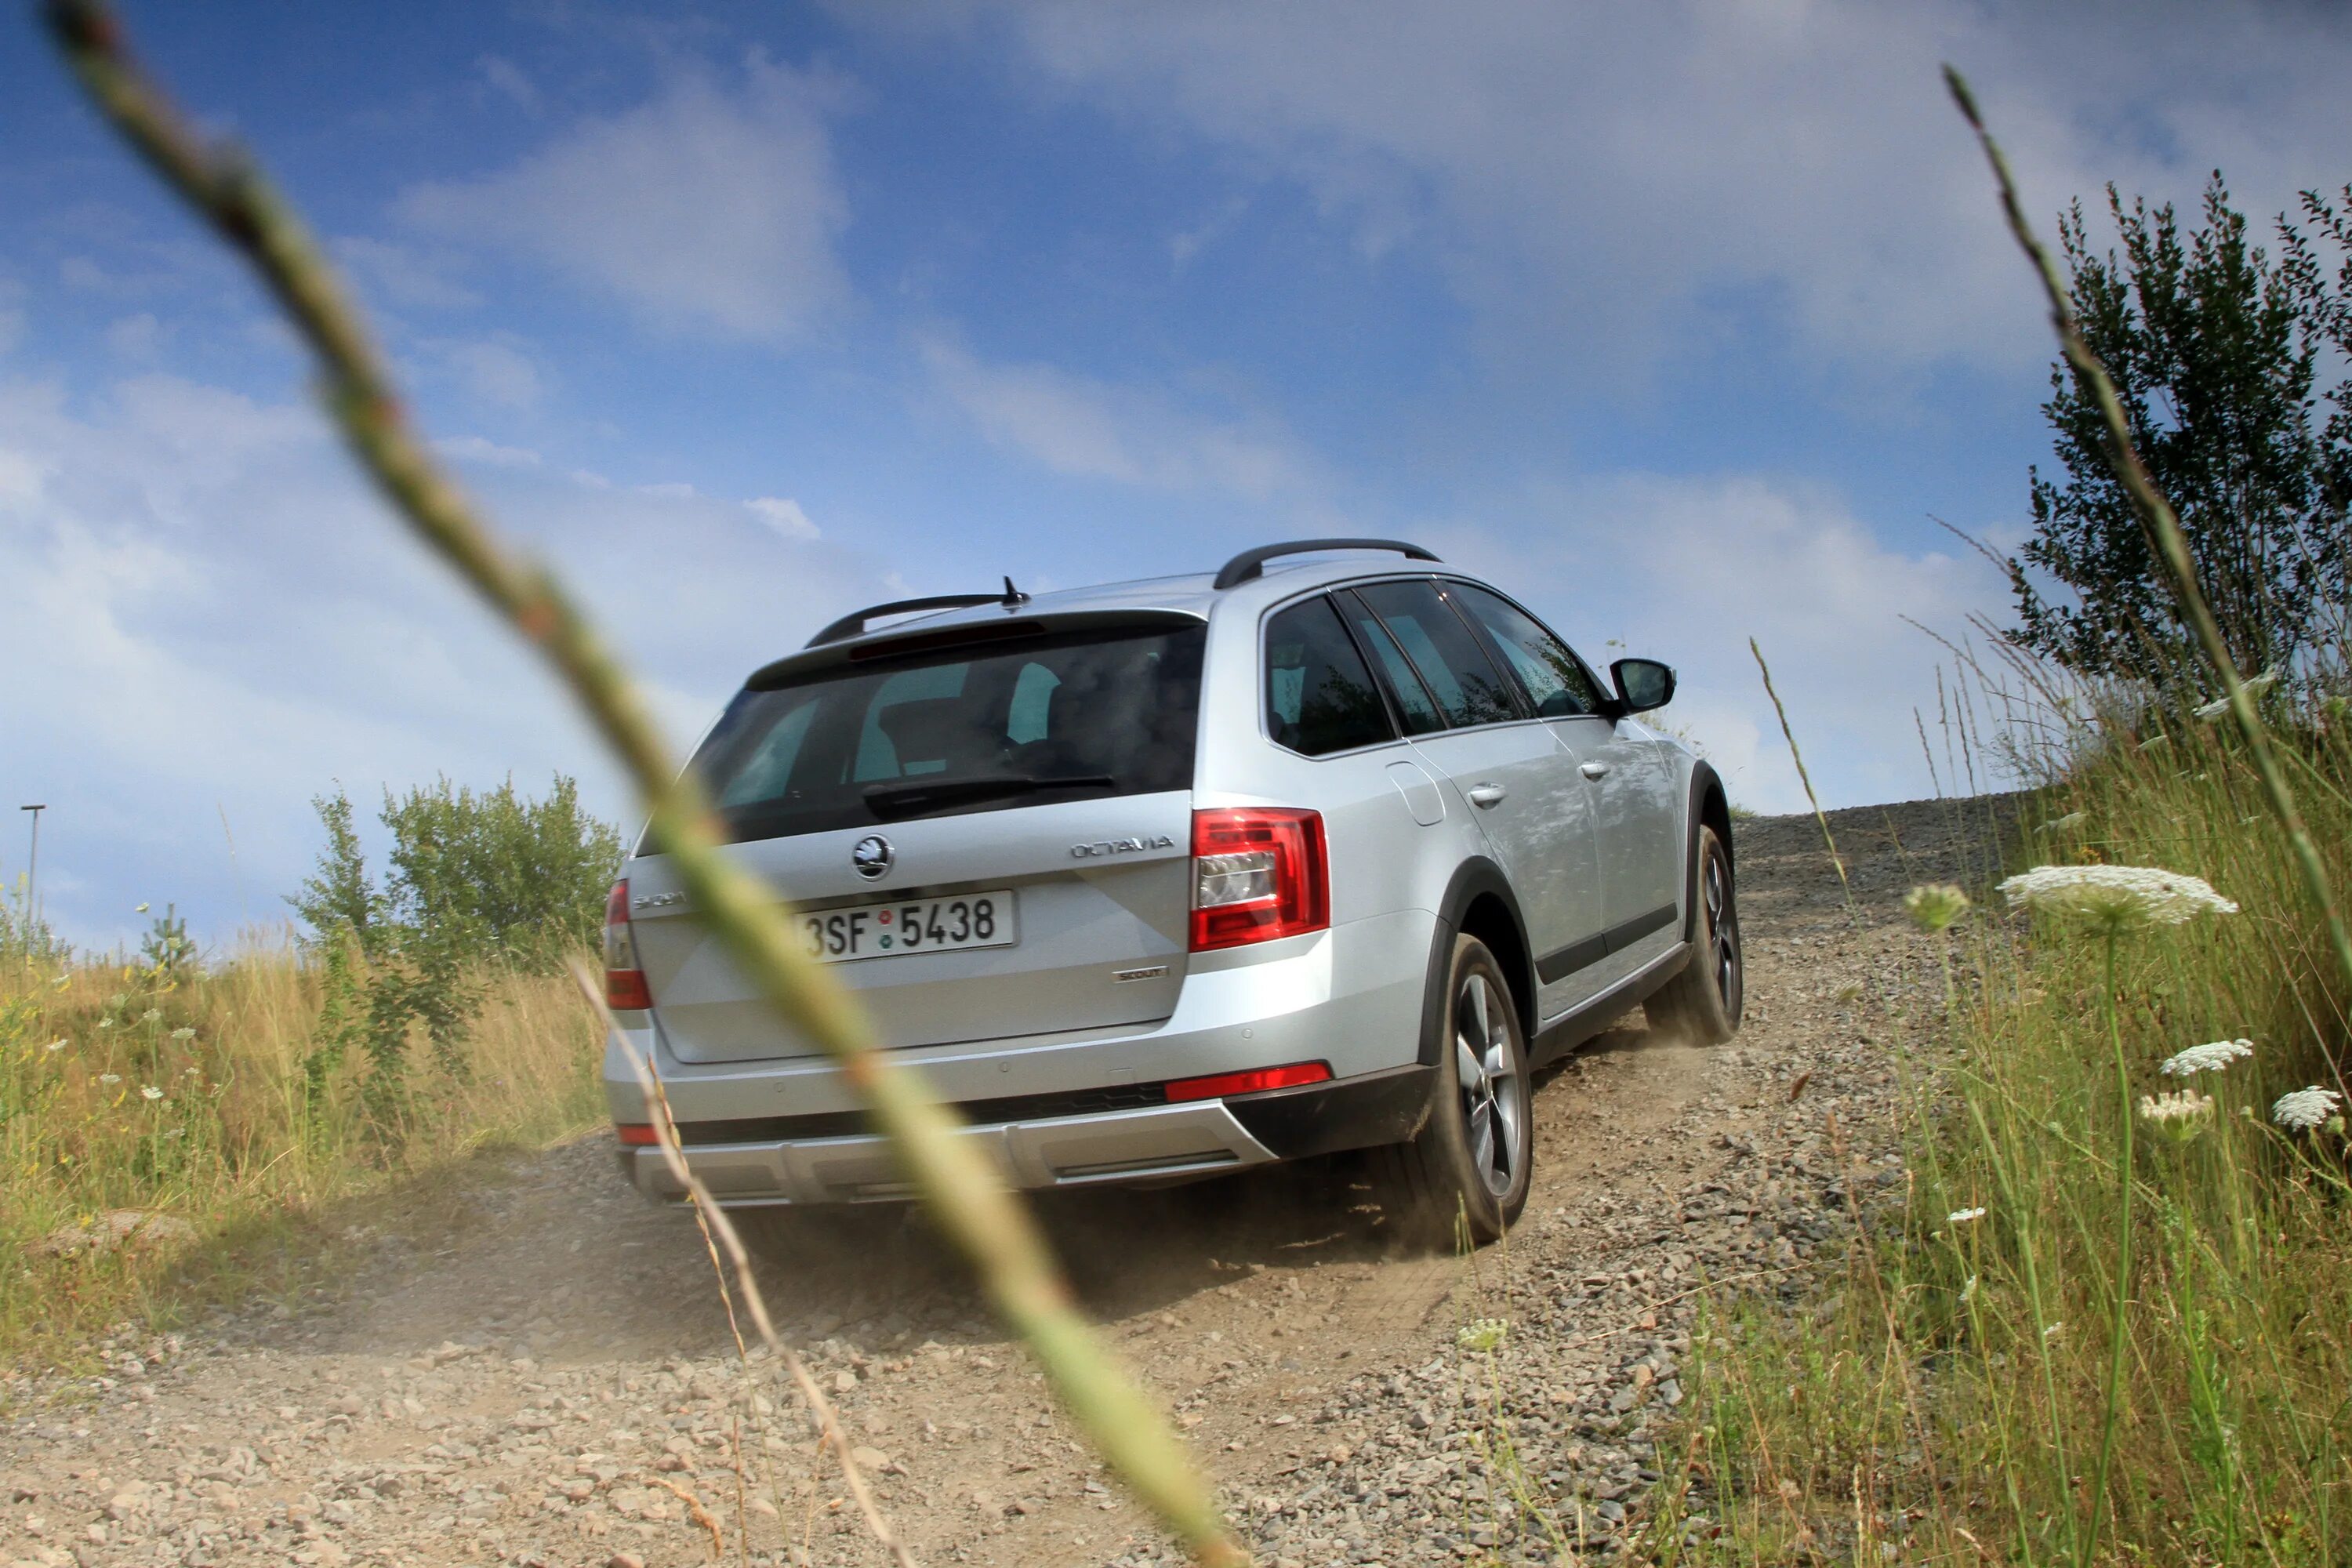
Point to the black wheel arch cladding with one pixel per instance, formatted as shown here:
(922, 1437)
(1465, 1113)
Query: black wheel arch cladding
(1707, 807)
(1479, 899)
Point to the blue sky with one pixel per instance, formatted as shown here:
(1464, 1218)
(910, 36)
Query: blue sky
(1683, 320)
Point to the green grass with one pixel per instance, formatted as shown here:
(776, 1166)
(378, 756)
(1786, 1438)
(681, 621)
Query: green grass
(185, 1094)
(1946, 1397)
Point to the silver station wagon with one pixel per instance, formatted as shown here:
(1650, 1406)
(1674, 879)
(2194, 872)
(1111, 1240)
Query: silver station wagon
(1165, 878)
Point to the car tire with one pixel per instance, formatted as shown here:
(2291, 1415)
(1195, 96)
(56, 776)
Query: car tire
(1464, 1176)
(1702, 1002)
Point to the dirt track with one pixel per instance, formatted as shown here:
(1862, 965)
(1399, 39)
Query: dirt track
(552, 1381)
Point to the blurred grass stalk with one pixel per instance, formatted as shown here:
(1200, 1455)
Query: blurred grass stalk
(965, 1195)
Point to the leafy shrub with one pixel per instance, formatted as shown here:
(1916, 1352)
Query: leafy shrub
(478, 883)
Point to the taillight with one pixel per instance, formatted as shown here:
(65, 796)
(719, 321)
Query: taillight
(635, 1134)
(625, 980)
(1258, 873)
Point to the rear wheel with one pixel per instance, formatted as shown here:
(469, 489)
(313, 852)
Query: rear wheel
(1702, 1003)
(1468, 1165)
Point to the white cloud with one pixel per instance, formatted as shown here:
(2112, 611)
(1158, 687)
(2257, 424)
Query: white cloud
(405, 274)
(137, 337)
(480, 450)
(782, 514)
(222, 617)
(1086, 428)
(1608, 177)
(1688, 570)
(507, 79)
(713, 208)
(495, 371)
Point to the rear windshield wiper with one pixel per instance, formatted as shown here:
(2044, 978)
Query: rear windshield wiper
(889, 800)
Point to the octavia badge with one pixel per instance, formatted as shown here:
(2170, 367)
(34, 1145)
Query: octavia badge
(872, 856)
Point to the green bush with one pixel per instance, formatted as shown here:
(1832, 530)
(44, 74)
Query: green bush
(478, 883)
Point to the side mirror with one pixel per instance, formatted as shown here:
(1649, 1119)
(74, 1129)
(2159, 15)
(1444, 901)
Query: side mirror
(1643, 684)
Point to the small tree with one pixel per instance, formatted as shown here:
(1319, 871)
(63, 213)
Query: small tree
(475, 879)
(2214, 351)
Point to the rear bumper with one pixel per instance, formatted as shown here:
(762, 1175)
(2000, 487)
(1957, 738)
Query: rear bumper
(1078, 1151)
(1058, 1111)
(1146, 1143)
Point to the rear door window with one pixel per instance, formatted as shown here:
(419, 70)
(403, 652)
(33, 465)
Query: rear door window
(1415, 706)
(1319, 696)
(1464, 683)
(1555, 679)
(1073, 716)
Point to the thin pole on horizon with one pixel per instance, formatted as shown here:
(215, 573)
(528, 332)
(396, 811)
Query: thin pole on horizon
(33, 863)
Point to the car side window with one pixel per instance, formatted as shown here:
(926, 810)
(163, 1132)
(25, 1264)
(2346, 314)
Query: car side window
(1414, 704)
(1467, 687)
(1554, 677)
(1319, 696)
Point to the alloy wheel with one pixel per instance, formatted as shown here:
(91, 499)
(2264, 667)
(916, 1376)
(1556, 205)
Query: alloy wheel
(1493, 1108)
(1723, 932)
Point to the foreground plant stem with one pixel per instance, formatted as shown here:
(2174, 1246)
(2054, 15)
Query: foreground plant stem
(1803, 777)
(964, 1193)
(2119, 1325)
(2165, 539)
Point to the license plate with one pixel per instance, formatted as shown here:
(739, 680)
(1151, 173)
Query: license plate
(917, 925)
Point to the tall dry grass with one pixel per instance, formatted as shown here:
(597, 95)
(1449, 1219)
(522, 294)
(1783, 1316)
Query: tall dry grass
(183, 1095)
(1949, 1396)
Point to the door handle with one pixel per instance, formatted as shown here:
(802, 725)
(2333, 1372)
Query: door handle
(1593, 770)
(1485, 794)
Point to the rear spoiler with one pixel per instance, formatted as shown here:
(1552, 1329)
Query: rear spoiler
(820, 655)
(852, 626)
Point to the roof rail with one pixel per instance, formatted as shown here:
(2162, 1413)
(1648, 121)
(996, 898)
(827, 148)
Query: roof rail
(855, 625)
(1251, 563)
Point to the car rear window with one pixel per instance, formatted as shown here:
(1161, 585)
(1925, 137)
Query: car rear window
(1075, 716)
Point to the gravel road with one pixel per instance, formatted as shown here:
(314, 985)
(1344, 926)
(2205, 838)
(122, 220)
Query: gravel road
(547, 1377)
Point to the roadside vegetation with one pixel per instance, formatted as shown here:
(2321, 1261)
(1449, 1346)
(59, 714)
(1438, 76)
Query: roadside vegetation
(177, 1126)
(2108, 1323)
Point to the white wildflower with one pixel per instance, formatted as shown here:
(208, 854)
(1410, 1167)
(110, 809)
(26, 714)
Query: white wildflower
(1964, 1217)
(150, 1016)
(2066, 824)
(2306, 1107)
(106, 1023)
(2179, 1116)
(110, 1078)
(183, 1033)
(140, 910)
(1969, 1290)
(2253, 687)
(1935, 905)
(2206, 1059)
(176, 1132)
(57, 1045)
(2116, 897)
(149, 1091)
(2051, 1330)
(1481, 1334)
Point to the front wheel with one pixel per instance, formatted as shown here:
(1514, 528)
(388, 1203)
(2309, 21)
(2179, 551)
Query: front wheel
(1702, 1003)
(1468, 1165)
